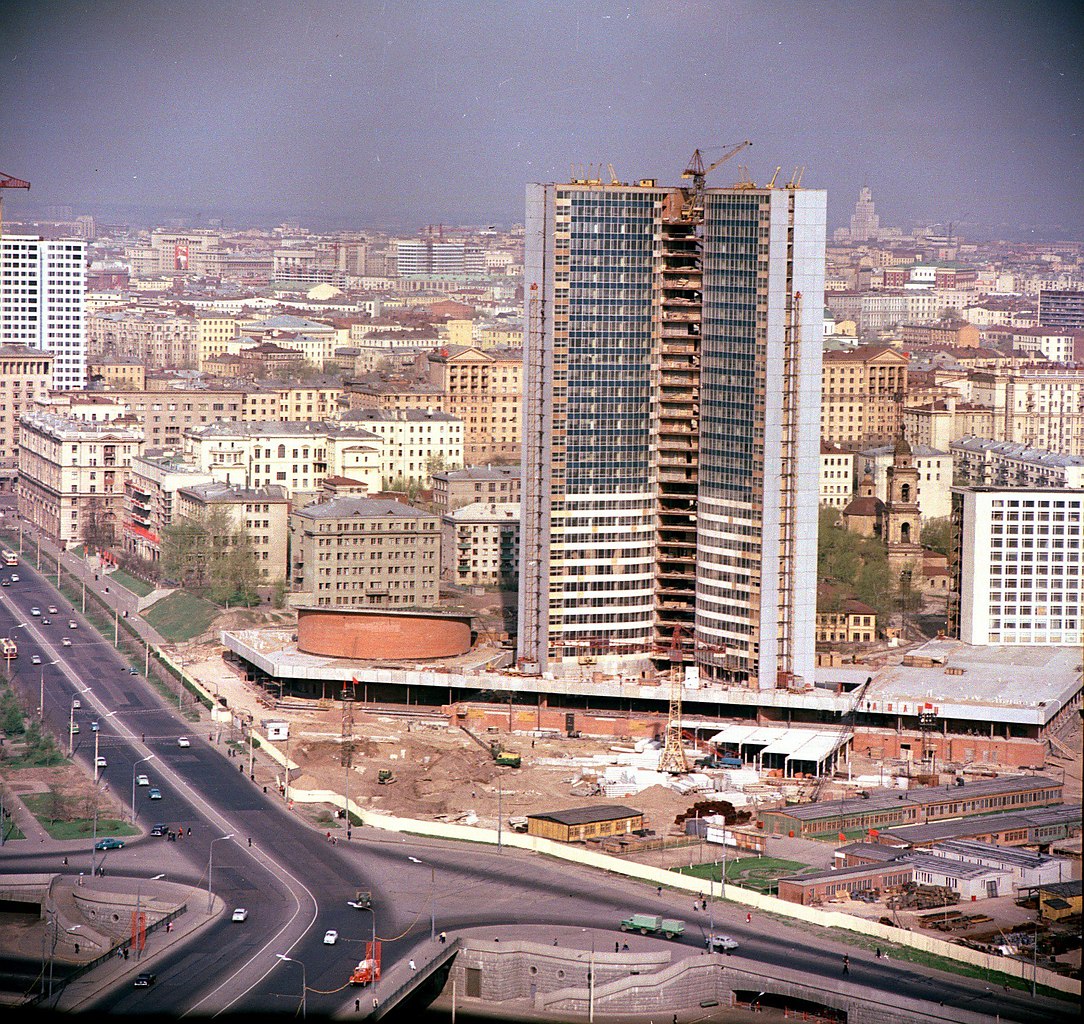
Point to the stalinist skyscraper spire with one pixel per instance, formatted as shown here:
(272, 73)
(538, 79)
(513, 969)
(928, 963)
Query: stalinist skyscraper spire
(865, 224)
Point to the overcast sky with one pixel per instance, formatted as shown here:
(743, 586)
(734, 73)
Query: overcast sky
(404, 113)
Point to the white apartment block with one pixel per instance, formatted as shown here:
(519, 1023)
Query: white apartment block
(42, 295)
(295, 456)
(933, 493)
(417, 442)
(1019, 576)
(154, 478)
(837, 476)
(1041, 407)
(979, 461)
(73, 473)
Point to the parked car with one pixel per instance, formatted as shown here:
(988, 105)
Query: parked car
(155, 794)
(144, 980)
(159, 829)
(35, 659)
(240, 915)
(331, 937)
(109, 844)
(183, 741)
(142, 780)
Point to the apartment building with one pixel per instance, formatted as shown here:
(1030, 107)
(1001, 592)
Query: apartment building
(941, 333)
(417, 442)
(72, 475)
(1041, 407)
(1062, 308)
(42, 302)
(483, 389)
(670, 434)
(150, 498)
(364, 553)
(480, 545)
(1017, 576)
(836, 476)
(260, 513)
(982, 462)
(118, 372)
(26, 375)
(295, 456)
(155, 337)
(862, 394)
(454, 488)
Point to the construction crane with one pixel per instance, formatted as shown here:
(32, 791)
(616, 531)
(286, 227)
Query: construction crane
(698, 172)
(673, 753)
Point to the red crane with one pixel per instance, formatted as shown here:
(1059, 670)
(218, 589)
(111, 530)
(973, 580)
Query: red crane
(6, 181)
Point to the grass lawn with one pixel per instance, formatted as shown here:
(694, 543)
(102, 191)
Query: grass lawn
(12, 831)
(78, 828)
(181, 616)
(129, 582)
(757, 873)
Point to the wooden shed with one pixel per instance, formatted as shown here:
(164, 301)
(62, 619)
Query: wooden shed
(578, 824)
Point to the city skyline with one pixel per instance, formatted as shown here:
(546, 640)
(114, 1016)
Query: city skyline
(357, 115)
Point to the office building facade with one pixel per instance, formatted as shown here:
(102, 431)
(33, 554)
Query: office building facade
(42, 293)
(671, 429)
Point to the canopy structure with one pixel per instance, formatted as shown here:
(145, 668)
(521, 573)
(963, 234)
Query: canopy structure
(795, 751)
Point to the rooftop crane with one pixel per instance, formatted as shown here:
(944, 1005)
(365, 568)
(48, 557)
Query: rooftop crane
(698, 172)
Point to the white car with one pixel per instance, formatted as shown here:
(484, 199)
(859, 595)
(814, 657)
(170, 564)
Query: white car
(66, 641)
(52, 609)
(101, 762)
(142, 780)
(240, 915)
(721, 943)
(14, 577)
(72, 624)
(35, 659)
(331, 937)
(183, 741)
(77, 703)
(36, 612)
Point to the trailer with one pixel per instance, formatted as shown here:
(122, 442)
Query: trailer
(653, 924)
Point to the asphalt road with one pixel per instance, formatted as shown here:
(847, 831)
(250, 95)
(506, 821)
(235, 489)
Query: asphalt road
(296, 885)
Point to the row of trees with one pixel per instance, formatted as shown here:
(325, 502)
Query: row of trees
(210, 555)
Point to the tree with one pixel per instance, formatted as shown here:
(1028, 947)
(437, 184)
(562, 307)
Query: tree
(937, 535)
(98, 529)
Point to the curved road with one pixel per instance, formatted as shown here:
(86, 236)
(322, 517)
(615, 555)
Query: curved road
(295, 885)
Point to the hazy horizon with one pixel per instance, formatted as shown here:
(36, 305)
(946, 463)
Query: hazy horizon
(365, 115)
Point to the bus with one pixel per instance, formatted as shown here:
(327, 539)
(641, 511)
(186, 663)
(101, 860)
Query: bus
(8, 648)
(9, 557)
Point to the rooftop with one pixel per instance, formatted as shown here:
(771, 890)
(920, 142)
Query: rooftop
(375, 508)
(587, 815)
(487, 511)
(1013, 450)
(479, 473)
(398, 415)
(986, 824)
(279, 428)
(224, 493)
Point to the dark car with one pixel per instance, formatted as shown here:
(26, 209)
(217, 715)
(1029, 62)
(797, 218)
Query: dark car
(144, 980)
(159, 830)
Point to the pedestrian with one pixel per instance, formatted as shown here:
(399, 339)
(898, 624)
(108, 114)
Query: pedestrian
(658, 890)
(555, 942)
(77, 949)
(443, 938)
(624, 947)
(189, 829)
(250, 840)
(617, 947)
(125, 952)
(357, 1006)
(413, 966)
(142, 737)
(703, 904)
(846, 965)
(65, 862)
(748, 918)
(878, 952)
(376, 1003)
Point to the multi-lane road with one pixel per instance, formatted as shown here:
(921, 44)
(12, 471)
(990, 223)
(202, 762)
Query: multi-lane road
(296, 885)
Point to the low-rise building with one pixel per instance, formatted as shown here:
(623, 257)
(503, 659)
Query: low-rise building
(72, 476)
(364, 552)
(260, 513)
(123, 373)
(480, 545)
(580, 824)
(854, 622)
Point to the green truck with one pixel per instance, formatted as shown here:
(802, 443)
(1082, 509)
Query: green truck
(652, 924)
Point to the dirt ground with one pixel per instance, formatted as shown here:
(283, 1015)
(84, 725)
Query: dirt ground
(76, 788)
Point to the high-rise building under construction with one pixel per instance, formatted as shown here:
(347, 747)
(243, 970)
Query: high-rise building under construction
(671, 429)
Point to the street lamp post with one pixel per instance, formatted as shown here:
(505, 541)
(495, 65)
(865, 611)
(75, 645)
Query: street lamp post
(210, 866)
(304, 983)
(432, 895)
(149, 757)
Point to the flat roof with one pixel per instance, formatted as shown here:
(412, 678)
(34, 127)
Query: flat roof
(992, 852)
(794, 744)
(586, 815)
